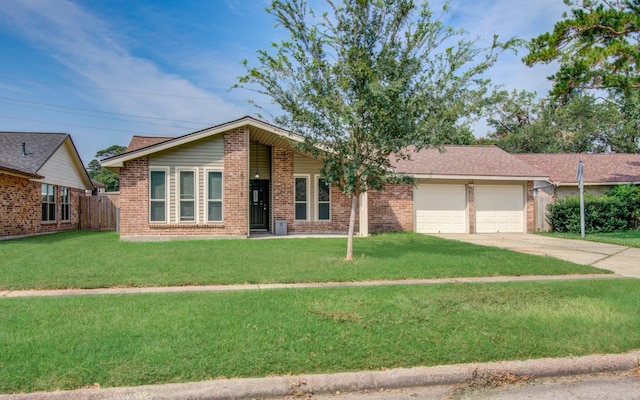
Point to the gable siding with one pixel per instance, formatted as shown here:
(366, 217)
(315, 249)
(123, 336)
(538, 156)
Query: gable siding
(203, 155)
(62, 170)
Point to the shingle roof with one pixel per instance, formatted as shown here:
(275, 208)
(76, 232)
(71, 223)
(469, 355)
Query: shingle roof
(490, 161)
(598, 168)
(38, 147)
(139, 142)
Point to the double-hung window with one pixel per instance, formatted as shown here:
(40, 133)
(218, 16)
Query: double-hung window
(158, 195)
(214, 196)
(187, 191)
(48, 203)
(323, 196)
(65, 204)
(301, 198)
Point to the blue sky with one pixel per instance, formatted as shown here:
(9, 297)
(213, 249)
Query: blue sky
(104, 70)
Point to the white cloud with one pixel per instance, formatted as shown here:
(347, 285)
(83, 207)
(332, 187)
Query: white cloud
(87, 46)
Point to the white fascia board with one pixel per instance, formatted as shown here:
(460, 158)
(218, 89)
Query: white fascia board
(599, 183)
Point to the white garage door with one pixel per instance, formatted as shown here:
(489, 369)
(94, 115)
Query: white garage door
(499, 208)
(440, 208)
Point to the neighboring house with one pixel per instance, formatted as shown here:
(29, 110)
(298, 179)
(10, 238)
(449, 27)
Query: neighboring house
(247, 176)
(601, 173)
(41, 180)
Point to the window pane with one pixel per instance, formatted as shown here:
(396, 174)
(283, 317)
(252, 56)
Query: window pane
(215, 211)
(186, 185)
(323, 190)
(52, 212)
(45, 209)
(52, 193)
(215, 186)
(44, 193)
(157, 211)
(301, 211)
(323, 211)
(186, 211)
(157, 185)
(301, 189)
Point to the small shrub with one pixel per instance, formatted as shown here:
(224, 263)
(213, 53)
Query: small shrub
(602, 215)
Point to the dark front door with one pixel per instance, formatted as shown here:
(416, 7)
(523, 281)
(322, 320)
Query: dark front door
(259, 204)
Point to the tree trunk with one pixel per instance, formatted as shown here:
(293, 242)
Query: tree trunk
(352, 224)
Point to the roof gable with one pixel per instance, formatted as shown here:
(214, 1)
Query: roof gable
(29, 154)
(38, 148)
(262, 130)
(598, 168)
(466, 161)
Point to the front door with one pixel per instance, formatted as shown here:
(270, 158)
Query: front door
(259, 204)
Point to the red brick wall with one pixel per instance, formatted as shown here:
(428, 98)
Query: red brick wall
(391, 209)
(21, 208)
(283, 207)
(134, 197)
(236, 182)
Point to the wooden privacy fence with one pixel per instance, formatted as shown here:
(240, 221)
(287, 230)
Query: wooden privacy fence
(98, 213)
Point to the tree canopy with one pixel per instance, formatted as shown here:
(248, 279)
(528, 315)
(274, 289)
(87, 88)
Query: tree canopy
(366, 79)
(583, 124)
(596, 44)
(103, 175)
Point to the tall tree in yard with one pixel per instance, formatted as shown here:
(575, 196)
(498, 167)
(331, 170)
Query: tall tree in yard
(365, 80)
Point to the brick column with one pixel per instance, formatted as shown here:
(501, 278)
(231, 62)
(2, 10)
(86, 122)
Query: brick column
(282, 183)
(134, 197)
(236, 182)
(472, 208)
(531, 219)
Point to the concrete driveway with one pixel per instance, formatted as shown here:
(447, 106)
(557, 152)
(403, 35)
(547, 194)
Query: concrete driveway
(624, 261)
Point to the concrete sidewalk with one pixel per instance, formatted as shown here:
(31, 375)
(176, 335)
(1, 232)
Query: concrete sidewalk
(624, 261)
(297, 386)
(270, 286)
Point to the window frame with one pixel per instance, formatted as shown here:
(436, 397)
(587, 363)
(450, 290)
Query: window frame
(51, 206)
(206, 195)
(308, 196)
(317, 201)
(179, 200)
(165, 200)
(65, 204)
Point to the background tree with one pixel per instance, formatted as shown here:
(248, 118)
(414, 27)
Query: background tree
(596, 45)
(583, 124)
(103, 175)
(367, 79)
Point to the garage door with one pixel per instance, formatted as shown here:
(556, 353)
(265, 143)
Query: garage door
(499, 208)
(440, 208)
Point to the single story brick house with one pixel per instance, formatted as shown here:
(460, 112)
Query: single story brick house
(41, 180)
(246, 176)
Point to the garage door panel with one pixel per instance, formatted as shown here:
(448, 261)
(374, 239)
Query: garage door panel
(499, 208)
(440, 208)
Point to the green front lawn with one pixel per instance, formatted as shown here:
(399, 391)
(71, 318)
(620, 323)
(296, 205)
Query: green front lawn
(71, 342)
(626, 238)
(83, 259)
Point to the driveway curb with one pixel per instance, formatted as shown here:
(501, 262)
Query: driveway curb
(280, 386)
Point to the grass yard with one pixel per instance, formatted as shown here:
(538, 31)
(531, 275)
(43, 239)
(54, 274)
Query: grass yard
(71, 342)
(83, 259)
(626, 238)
